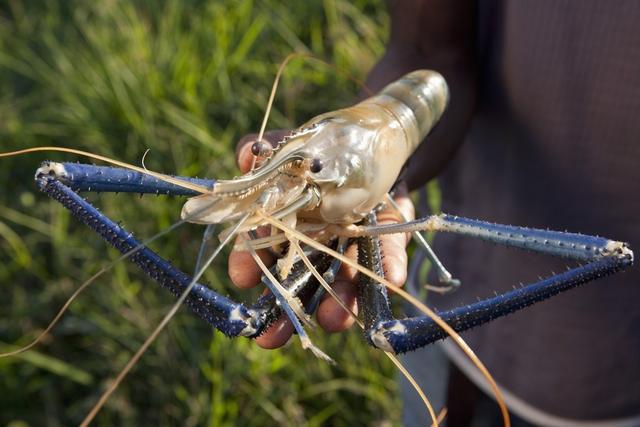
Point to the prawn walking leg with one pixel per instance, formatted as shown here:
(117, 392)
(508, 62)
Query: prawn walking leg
(447, 282)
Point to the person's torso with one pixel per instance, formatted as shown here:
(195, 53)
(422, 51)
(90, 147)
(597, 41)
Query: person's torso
(555, 144)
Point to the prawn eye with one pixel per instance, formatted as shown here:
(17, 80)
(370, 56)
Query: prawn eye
(261, 149)
(316, 165)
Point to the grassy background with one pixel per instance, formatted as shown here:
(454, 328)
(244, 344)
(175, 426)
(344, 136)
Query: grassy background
(185, 79)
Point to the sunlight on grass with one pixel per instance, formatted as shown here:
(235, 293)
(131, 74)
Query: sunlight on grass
(185, 79)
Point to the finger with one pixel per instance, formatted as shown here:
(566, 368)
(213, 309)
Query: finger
(242, 269)
(393, 246)
(277, 335)
(347, 272)
(394, 257)
(331, 316)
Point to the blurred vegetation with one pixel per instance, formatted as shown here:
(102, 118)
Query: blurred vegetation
(185, 79)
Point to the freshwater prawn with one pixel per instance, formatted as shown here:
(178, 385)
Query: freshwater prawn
(328, 178)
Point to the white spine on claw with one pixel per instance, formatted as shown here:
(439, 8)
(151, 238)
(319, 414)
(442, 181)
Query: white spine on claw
(238, 316)
(379, 339)
(51, 168)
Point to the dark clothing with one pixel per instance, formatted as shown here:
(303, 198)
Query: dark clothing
(555, 144)
(446, 386)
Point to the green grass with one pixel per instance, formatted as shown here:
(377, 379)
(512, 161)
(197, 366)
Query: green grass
(185, 79)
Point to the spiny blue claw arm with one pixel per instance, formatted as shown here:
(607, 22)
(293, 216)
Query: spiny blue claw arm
(412, 333)
(373, 299)
(603, 257)
(557, 243)
(59, 182)
(229, 317)
(108, 179)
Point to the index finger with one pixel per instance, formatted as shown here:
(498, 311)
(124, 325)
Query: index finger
(393, 246)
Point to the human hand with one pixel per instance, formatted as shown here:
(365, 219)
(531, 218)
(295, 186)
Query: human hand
(245, 273)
